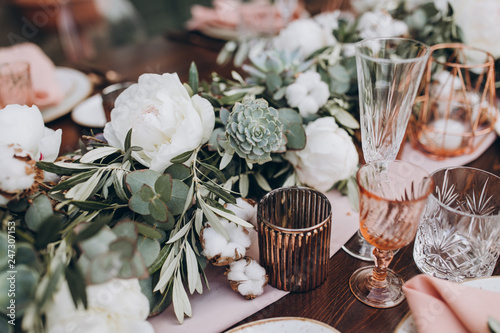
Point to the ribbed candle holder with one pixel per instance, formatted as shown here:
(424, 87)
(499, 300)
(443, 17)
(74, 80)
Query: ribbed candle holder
(294, 237)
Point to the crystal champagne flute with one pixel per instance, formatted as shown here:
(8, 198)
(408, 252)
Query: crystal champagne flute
(389, 72)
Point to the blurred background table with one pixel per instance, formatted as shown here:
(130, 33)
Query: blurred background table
(333, 302)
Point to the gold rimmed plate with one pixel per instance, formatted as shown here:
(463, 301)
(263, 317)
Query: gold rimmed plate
(284, 325)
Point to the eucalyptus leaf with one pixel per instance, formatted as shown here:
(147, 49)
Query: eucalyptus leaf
(38, 211)
(104, 267)
(178, 200)
(163, 187)
(147, 193)
(124, 246)
(158, 210)
(126, 229)
(149, 249)
(26, 280)
(178, 171)
(49, 231)
(90, 229)
(136, 179)
(138, 205)
(296, 136)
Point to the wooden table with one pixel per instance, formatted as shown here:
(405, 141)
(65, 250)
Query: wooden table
(332, 302)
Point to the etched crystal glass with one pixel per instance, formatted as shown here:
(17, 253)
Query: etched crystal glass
(389, 73)
(459, 234)
(392, 198)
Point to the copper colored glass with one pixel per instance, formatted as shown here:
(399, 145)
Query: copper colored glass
(294, 225)
(392, 198)
(15, 84)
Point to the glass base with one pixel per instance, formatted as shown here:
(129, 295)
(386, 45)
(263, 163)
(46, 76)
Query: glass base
(359, 248)
(363, 287)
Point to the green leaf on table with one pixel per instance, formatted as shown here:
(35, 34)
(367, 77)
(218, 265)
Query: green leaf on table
(148, 231)
(147, 194)
(179, 194)
(178, 171)
(163, 187)
(193, 78)
(136, 179)
(128, 140)
(38, 211)
(158, 210)
(98, 153)
(138, 205)
(90, 229)
(182, 157)
(216, 171)
(91, 205)
(149, 249)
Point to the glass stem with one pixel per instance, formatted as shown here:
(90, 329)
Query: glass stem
(382, 260)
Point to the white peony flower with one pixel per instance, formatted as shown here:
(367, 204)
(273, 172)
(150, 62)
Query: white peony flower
(308, 93)
(17, 172)
(305, 35)
(328, 157)
(478, 20)
(23, 126)
(117, 306)
(164, 119)
(380, 24)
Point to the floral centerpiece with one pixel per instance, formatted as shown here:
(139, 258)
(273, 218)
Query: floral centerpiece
(137, 214)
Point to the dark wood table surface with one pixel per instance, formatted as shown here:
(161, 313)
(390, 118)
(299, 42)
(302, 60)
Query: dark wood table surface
(332, 302)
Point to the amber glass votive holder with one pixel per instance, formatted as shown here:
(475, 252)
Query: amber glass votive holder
(294, 227)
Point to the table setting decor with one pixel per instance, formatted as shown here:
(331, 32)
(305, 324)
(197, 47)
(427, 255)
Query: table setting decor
(154, 217)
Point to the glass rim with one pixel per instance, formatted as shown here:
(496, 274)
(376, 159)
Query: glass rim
(456, 211)
(378, 197)
(295, 230)
(423, 57)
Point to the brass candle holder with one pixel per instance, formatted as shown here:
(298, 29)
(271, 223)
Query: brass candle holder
(456, 107)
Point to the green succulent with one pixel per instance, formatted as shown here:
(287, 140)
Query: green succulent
(254, 131)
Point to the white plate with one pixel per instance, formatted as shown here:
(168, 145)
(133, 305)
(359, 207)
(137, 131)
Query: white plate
(90, 112)
(76, 87)
(407, 325)
(284, 325)
(220, 33)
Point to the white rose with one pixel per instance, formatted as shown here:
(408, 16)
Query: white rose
(478, 20)
(328, 157)
(117, 306)
(165, 121)
(23, 126)
(305, 35)
(380, 24)
(308, 93)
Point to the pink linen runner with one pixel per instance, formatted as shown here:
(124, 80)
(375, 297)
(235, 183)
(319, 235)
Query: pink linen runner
(220, 308)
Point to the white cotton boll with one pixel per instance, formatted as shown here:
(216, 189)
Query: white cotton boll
(247, 277)
(308, 106)
(239, 236)
(308, 93)
(254, 271)
(250, 287)
(16, 175)
(295, 93)
(245, 209)
(233, 249)
(214, 243)
(237, 275)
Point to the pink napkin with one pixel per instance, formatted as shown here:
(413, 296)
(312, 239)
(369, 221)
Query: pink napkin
(443, 306)
(225, 14)
(45, 86)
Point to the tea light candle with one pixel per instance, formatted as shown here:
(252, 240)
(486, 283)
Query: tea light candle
(445, 134)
